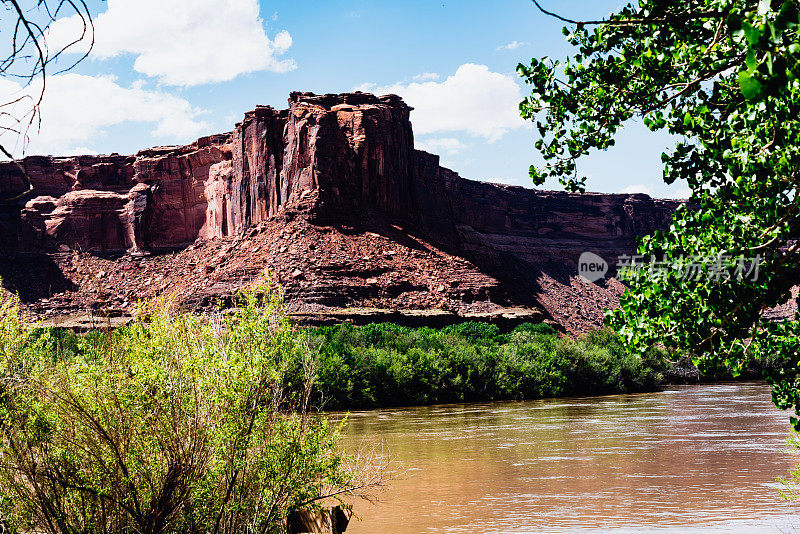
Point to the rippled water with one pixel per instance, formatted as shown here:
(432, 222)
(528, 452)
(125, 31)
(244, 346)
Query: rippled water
(691, 458)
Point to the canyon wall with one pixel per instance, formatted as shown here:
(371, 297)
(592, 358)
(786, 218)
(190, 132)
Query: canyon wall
(344, 159)
(331, 157)
(156, 198)
(530, 225)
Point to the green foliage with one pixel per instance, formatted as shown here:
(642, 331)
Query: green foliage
(536, 328)
(391, 365)
(722, 75)
(791, 484)
(176, 424)
(474, 331)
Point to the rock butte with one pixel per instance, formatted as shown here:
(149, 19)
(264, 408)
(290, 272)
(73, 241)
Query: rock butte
(331, 197)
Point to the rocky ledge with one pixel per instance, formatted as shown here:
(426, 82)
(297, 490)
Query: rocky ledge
(332, 199)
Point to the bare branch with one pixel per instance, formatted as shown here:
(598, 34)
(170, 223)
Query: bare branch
(625, 22)
(29, 60)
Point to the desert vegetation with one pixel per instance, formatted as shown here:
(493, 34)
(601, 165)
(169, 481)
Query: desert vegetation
(791, 484)
(175, 423)
(390, 365)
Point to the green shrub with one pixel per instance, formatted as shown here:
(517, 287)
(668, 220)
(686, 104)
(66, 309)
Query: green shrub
(390, 365)
(474, 332)
(790, 485)
(177, 424)
(536, 328)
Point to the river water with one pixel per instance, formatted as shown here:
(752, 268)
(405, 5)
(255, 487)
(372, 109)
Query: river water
(700, 458)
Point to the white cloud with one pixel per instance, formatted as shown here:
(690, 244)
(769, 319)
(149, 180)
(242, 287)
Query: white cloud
(77, 109)
(425, 77)
(440, 145)
(513, 45)
(637, 188)
(183, 42)
(474, 100)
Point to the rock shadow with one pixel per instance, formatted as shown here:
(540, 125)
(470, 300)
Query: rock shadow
(33, 277)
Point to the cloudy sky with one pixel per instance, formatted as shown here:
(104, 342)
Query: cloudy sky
(169, 71)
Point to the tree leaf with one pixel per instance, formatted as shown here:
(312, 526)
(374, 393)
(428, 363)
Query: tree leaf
(750, 87)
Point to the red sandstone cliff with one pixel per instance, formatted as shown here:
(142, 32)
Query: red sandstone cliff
(331, 196)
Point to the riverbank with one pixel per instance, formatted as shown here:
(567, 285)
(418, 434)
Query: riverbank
(384, 365)
(388, 365)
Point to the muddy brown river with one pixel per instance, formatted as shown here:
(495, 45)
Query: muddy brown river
(688, 459)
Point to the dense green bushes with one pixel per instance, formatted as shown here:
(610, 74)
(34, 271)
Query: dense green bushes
(173, 424)
(390, 365)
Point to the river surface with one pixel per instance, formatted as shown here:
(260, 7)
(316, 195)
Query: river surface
(688, 459)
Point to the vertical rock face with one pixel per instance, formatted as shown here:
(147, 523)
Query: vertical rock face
(175, 206)
(74, 200)
(355, 151)
(329, 160)
(329, 156)
(534, 226)
(253, 190)
(332, 154)
(154, 199)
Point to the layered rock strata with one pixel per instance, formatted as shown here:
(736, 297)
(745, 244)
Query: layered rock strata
(330, 195)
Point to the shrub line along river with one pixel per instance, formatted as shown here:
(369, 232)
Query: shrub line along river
(699, 458)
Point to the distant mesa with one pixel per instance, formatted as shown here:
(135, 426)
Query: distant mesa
(331, 197)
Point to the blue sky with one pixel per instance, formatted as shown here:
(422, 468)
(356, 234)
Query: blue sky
(168, 71)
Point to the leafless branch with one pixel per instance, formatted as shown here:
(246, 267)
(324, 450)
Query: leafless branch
(625, 22)
(29, 60)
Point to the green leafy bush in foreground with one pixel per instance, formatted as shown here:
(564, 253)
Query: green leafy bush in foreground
(791, 484)
(390, 365)
(176, 424)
